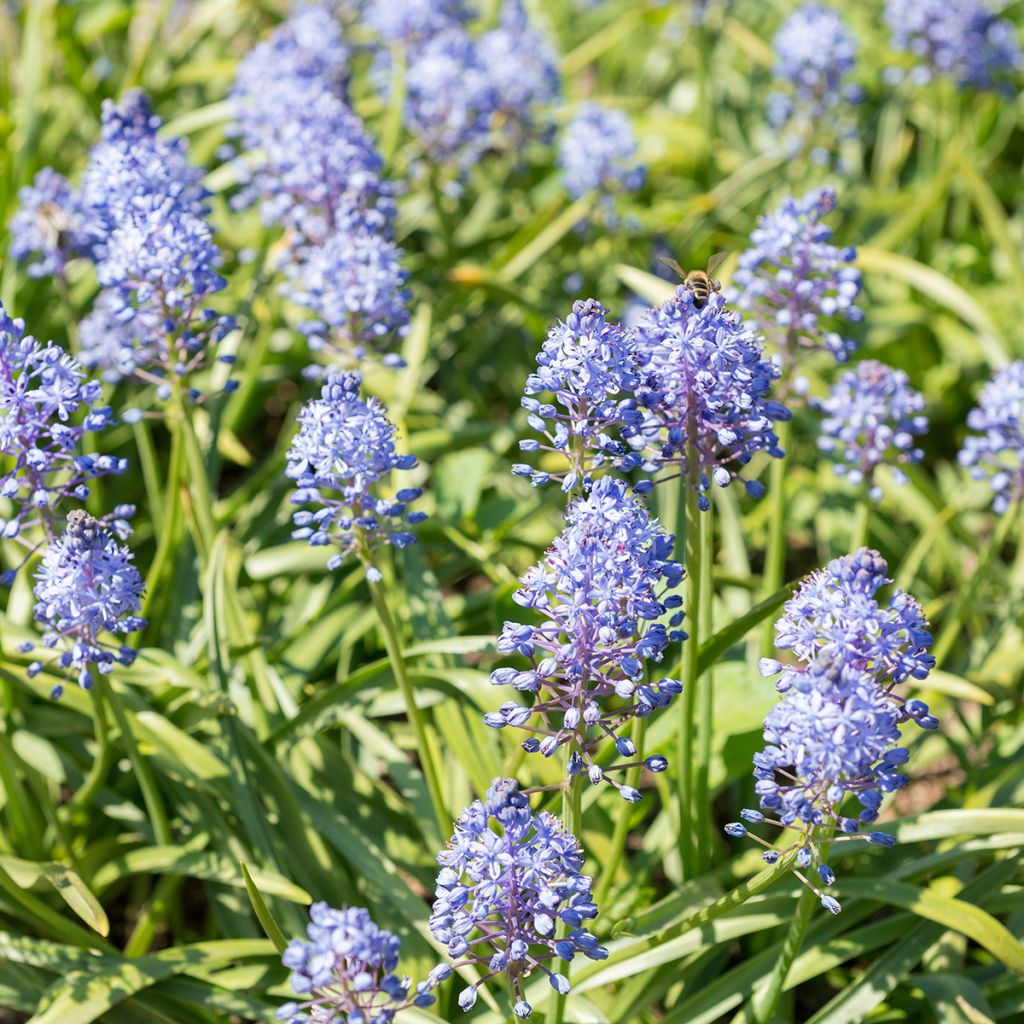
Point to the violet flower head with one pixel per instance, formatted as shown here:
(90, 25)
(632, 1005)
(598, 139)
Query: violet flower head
(355, 285)
(705, 388)
(308, 159)
(872, 418)
(588, 365)
(47, 405)
(344, 971)
(344, 449)
(47, 226)
(523, 69)
(414, 21)
(598, 153)
(153, 248)
(995, 449)
(450, 98)
(964, 40)
(601, 589)
(795, 283)
(508, 877)
(836, 614)
(86, 588)
(814, 53)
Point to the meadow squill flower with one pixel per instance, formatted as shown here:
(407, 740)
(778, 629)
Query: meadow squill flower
(344, 448)
(450, 98)
(508, 877)
(354, 283)
(588, 364)
(964, 40)
(705, 393)
(152, 246)
(834, 733)
(47, 226)
(598, 153)
(414, 21)
(344, 972)
(601, 589)
(794, 283)
(872, 418)
(523, 68)
(995, 449)
(308, 160)
(47, 405)
(814, 53)
(86, 586)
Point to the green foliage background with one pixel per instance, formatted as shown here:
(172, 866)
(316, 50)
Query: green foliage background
(263, 700)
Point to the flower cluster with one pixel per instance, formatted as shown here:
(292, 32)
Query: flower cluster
(508, 878)
(345, 971)
(47, 405)
(871, 418)
(962, 39)
(995, 451)
(794, 282)
(86, 586)
(814, 52)
(344, 448)
(589, 365)
(314, 170)
(835, 732)
(47, 227)
(598, 153)
(705, 389)
(601, 589)
(466, 93)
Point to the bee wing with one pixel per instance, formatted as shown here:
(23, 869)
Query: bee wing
(715, 262)
(672, 265)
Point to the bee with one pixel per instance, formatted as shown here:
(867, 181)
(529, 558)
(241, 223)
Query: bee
(54, 224)
(700, 282)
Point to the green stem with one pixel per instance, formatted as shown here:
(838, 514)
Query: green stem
(102, 760)
(198, 482)
(951, 627)
(691, 672)
(160, 903)
(143, 773)
(775, 554)
(613, 858)
(150, 473)
(766, 1001)
(702, 788)
(572, 819)
(426, 755)
(861, 521)
(167, 543)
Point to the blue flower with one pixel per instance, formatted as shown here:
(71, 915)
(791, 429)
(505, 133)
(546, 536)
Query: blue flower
(589, 365)
(47, 405)
(836, 613)
(814, 52)
(409, 21)
(961, 39)
(523, 69)
(345, 970)
(598, 153)
(86, 586)
(508, 878)
(450, 98)
(871, 418)
(344, 448)
(47, 227)
(705, 390)
(117, 339)
(795, 283)
(309, 161)
(355, 285)
(601, 589)
(995, 450)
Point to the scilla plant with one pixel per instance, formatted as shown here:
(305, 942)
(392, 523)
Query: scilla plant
(416, 606)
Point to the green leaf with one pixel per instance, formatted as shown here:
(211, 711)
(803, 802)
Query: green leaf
(75, 893)
(270, 927)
